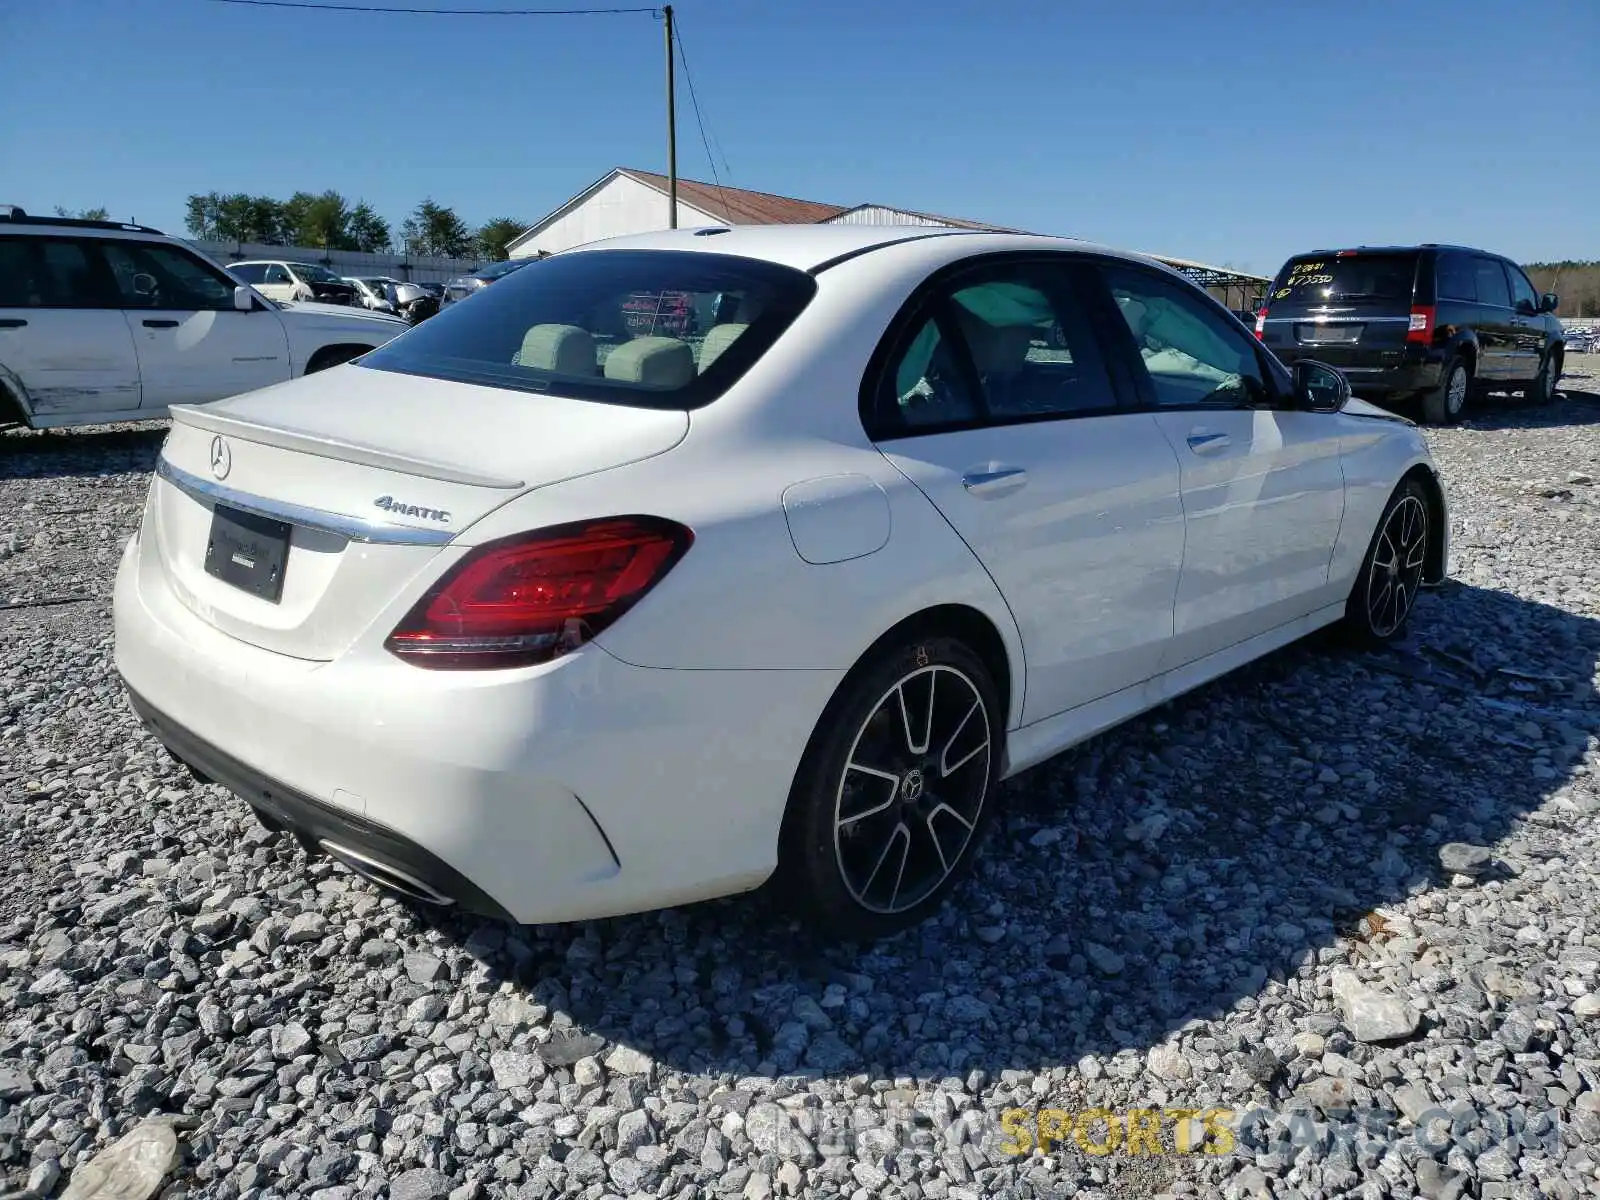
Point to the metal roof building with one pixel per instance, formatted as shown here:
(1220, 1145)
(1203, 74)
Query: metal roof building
(631, 201)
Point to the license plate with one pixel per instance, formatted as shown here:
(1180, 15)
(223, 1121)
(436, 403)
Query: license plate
(1328, 333)
(248, 551)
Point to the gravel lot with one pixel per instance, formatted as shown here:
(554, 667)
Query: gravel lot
(1241, 901)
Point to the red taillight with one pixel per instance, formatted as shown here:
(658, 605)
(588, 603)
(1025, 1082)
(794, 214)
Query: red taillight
(1261, 322)
(534, 597)
(1421, 327)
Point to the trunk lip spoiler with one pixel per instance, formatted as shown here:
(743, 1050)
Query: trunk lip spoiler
(354, 528)
(324, 446)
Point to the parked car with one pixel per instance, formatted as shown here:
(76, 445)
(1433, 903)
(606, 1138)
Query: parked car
(104, 321)
(1582, 341)
(372, 291)
(285, 280)
(412, 301)
(465, 285)
(1431, 323)
(644, 621)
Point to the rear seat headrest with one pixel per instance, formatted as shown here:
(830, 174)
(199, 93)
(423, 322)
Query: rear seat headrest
(661, 362)
(563, 349)
(998, 349)
(718, 339)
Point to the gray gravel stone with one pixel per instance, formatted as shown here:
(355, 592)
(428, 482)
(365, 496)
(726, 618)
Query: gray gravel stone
(422, 1183)
(1182, 894)
(1459, 858)
(1373, 1015)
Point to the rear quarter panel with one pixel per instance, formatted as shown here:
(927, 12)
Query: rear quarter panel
(744, 597)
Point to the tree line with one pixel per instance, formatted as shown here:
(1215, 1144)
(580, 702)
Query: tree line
(435, 230)
(330, 221)
(1577, 283)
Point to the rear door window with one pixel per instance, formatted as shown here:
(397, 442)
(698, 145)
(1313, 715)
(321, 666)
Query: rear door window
(1363, 280)
(1004, 344)
(1457, 280)
(651, 328)
(72, 276)
(1491, 283)
(20, 286)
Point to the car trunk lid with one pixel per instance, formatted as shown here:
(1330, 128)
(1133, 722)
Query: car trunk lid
(336, 491)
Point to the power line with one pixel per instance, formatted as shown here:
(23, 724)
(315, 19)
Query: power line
(699, 120)
(442, 12)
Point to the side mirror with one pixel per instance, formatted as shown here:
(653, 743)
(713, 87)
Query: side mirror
(1319, 387)
(243, 300)
(1549, 302)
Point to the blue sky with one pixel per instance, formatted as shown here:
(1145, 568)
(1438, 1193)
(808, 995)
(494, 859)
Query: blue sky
(1231, 131)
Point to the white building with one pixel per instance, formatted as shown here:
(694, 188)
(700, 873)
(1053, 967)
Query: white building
(627, 201)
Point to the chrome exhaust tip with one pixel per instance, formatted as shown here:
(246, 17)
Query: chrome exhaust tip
(385, 876)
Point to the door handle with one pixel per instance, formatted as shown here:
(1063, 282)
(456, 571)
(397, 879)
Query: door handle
(1208, 441)
(12, 322)
(155, 323)
(996, 481)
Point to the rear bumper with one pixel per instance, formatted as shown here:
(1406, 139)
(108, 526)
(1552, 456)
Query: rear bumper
(367, 846)
(582, 788)
(1374, 379)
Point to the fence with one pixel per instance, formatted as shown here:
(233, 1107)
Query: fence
(413, 267)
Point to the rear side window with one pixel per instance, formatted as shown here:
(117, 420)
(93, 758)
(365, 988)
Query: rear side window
(249, 272)
(1359, 279)
(649, 328)
(1491, 283)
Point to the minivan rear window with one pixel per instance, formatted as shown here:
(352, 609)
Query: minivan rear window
(648, 328)
(1360, 279)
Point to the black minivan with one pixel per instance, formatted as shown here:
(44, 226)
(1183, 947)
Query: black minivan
(1429, 323)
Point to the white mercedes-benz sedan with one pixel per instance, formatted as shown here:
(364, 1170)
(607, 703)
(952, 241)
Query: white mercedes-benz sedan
(679, 562)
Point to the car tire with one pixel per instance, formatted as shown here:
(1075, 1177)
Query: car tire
(10, 411)
(1445, 403)
(1385, 591)
(901, 774)
(1543, 389)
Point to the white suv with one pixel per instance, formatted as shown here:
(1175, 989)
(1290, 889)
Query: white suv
(101, 321)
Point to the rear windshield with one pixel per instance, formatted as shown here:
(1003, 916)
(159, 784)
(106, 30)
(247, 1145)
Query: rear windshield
(649, 328)
(1378, 279)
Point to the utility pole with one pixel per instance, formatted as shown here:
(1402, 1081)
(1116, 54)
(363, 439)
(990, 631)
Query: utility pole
(672, 131)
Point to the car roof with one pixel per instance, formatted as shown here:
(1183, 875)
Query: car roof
(1411, 249)
(814, 247)
(13, 217)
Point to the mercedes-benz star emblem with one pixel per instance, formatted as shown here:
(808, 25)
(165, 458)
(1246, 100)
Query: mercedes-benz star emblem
(221, 457)
(912, 787)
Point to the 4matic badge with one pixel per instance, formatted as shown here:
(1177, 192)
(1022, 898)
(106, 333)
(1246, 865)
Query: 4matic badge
(390, 505)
